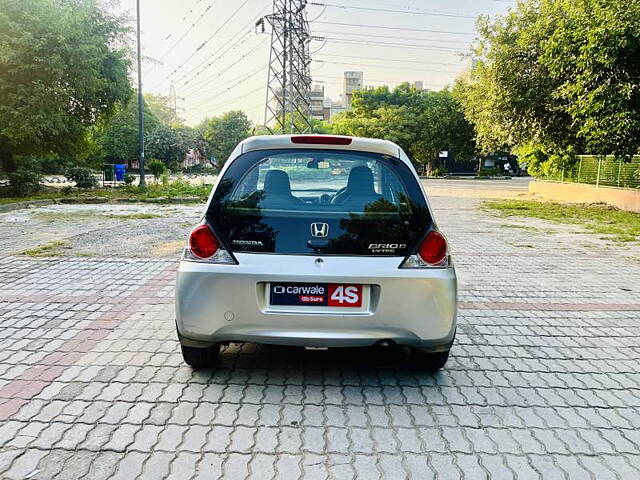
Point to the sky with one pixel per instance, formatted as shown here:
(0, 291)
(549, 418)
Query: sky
(216, 61)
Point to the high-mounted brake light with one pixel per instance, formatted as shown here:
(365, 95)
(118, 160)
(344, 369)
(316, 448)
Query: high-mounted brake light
(202, 242)
(433, 249)
(321, 140)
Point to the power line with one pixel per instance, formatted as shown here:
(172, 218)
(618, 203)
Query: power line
(379, 66)
(219, 75)
(407, 8)
(184, 17)
(209, 79)
(389, 10)
(193, 25)
(375, 35)
(216, 56)
(411, 46)
(396, 28)
(239, 82)
(374, 80)
(242, 39)
(235, 99)
(203, 44)
(389, 59)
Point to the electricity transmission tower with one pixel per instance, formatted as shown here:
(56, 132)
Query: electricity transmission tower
(287, 108)
(173, 101)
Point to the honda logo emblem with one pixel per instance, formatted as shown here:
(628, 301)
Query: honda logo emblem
(319, 229)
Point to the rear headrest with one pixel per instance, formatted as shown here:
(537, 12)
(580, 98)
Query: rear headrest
(276, 182)
(361, 181)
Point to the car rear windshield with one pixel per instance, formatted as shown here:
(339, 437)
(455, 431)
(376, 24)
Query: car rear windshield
(319, 202)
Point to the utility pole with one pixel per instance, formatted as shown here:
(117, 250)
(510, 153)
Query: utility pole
(288, 108)
(142, 182)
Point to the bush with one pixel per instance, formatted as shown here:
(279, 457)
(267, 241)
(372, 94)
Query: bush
(541, 164)
(157, 168)
(438, 172)
(25, 180)
(199, 168)
(488, 172)
(82, 176)
(129, 178)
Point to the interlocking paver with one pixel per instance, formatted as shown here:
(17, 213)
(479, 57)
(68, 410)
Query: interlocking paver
(542, 381)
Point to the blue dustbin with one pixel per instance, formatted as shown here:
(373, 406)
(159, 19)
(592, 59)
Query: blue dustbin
(120, 170)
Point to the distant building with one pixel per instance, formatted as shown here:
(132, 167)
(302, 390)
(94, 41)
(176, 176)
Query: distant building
(337, 107)
(316, 100)
(352, 81)
(326, 108)
(418, 85)
(192, 158)
(330, 108)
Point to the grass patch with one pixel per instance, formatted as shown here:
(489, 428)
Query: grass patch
(520, 227)
(83, 215)
(159, 192)
(617, 225)
(65, 216)
(132, 216)
(50, 249)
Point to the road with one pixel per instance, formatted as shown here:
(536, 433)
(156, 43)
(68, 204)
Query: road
(467, 187)
(543, 379)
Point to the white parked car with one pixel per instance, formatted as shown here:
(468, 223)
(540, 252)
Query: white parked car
(317, 241)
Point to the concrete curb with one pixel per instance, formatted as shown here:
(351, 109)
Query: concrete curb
(451, 177)
(81, 200)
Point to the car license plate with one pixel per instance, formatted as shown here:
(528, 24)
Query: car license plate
(316, 294)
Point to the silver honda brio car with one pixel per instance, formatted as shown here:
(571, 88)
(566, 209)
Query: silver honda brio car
(317, 241)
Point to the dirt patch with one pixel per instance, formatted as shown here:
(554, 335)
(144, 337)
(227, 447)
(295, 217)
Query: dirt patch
(167, 249)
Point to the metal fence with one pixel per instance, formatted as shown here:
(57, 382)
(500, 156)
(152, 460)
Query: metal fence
(601, 171)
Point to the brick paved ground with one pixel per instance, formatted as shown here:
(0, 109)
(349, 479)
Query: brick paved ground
(543, 380)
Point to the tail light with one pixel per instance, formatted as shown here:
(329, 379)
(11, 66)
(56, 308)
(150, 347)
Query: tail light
(202, 242)
(204, 247)
(433, 249)
(433, 252)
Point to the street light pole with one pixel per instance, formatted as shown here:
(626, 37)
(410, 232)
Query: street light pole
(142, 182)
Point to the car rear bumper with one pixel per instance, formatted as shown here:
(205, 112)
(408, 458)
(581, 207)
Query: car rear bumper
(222, 303)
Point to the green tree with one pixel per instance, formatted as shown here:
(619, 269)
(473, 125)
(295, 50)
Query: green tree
(171, 144)
(314, 126)
(423, 123)
(224, 133)
(117, 140)
(62, 69)
(555, 78)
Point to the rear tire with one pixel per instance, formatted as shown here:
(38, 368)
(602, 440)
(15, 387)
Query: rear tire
(429, 361)
(201, 357)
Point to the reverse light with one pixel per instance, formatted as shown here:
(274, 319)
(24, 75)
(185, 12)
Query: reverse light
(321, 140)
(202, 242)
